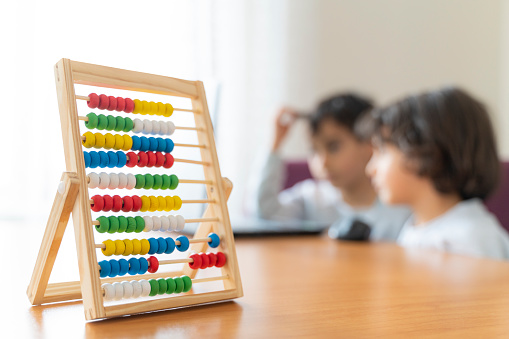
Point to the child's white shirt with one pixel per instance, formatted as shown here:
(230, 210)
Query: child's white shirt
(468, 228)
(320, 201)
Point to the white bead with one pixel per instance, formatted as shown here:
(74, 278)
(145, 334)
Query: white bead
(128, 289)
(149, 224)
(145, 288)
(119, 291)
(163, 128)
(171, 127)
(104, 180)
(138, 126)
(147, 126)
(136, 288)
(157, 223)
(165, 223)
(109, 291)
(156, 127)
(131, 181)
(94, 180)
(114, 180)
(122, 180)
(181, 222)
(173, 222)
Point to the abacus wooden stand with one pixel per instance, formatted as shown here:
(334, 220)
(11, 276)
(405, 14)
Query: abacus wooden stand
(72, 198)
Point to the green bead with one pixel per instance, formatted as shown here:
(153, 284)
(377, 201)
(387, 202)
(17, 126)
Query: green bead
(122, 224)
(119, 126)
(170, 283)
(174, 181)
(104, 224)
(92, 121)
(140, 224)
(131, 225)
(112, 122)
(113, 224)
(102, 122)
(188, 283)
(140, 181)
(166, 182)
(149, 181)
(162, 286)
(179, 284)
(129, 125)
(158, 181)
(154, 287)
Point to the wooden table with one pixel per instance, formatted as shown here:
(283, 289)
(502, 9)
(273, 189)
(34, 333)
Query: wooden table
(296, 286)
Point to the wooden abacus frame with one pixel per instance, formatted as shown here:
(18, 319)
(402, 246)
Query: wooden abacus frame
(72, 197)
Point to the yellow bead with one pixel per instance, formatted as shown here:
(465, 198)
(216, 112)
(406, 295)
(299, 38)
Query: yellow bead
(153, 108)
(138, 106)
(178, 203)
(145, 107)
(119, 247)
(89, 140)
(128, 247)
(169, 203)
(119, 142)
(161, 108)
(110, 141)
(128, 142)
(154, 204)
(145, 246)
(145, 203)
(100, 140)
(169, 110)
(162, 203)
(136, 246)
(110, 248)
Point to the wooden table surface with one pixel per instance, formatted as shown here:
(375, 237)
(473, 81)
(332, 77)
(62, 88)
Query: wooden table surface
(298, 286)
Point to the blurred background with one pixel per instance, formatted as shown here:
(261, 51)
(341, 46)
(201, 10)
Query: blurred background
(253, 57)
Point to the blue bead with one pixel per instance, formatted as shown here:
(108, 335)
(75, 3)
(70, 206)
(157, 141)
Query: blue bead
(122, 159)
(153, 144)
(154, 246)
(95, 159)
(113, 159)
(143, 265)
(145, 144)
(170, 245)
(136, 143)
(124, 267)
(87, 159)
(161, 144)
(162, 245)
(169, 146)
(184, 243)
(134, 268)
(214, 240)
(105, 268)
(115, 268)
(104, 159)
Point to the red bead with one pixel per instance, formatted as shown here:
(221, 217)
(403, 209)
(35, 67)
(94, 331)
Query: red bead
(108, 203)
(212, 259)
(120, 104)
(93, 100)
(160, 159)
(153, 264)
(128, 204)
(129, 105)
(221, 259)
(151, 159)
(117, 203)
(113, 103)
(136, 203)
(98, 204)
(169, 160)
(132, 159)
(204, 260)
(142, 159)
(196, 264)
(104, 102)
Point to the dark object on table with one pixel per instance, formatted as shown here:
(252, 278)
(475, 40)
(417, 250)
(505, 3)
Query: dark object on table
(350, 229)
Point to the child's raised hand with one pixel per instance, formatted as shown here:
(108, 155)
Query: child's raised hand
(284, 120)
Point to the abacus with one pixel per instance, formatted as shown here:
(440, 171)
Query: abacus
(117, 287)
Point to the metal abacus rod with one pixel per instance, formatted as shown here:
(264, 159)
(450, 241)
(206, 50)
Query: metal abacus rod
(177, 242)
(82, 118)
(183, 181)
(84, 138)
(195, 201)
(86, 98)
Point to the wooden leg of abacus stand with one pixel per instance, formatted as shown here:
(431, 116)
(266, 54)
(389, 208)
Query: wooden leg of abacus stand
(57, 222)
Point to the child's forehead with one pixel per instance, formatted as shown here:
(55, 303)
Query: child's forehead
(329, 128)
